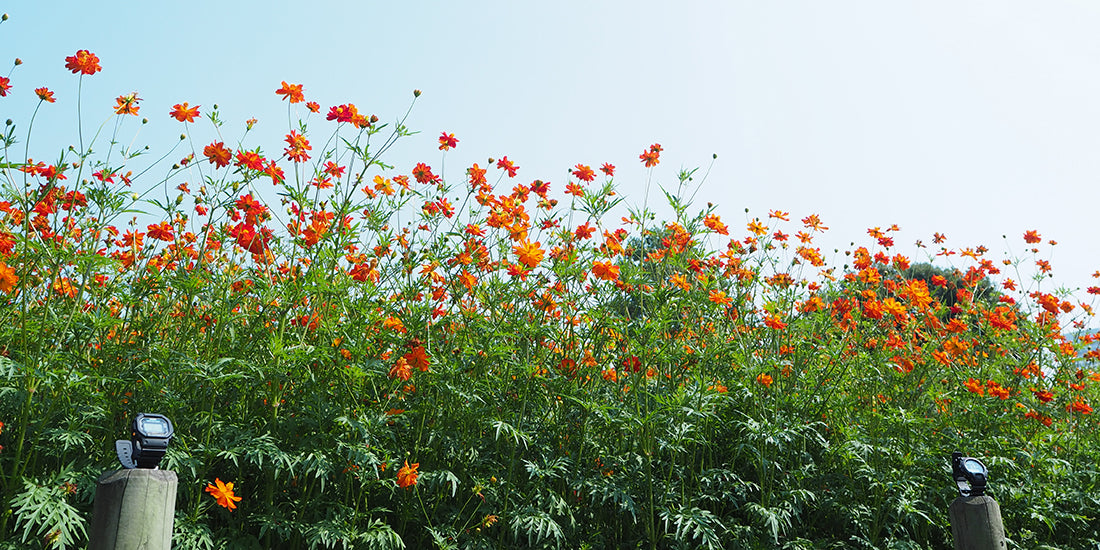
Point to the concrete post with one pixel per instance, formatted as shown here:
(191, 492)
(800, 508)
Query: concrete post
(134, 510)
(976, 523)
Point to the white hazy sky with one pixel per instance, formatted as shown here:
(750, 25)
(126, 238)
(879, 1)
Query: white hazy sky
(975, 119)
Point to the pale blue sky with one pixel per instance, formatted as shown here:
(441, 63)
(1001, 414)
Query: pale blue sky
(975, 119)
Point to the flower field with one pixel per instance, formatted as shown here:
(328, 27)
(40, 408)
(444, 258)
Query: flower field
(359, 355)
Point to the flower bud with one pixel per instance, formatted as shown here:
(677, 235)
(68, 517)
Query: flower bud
(416, 93)
(183, 137)
(145, 121)
(8, 122)
(18, 61)
(4, 17)
(373, 119)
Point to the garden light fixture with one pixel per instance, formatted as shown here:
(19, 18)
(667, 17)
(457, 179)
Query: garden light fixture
(970, 475)
(149, 437)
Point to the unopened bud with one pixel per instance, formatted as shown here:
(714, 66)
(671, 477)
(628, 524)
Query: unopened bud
(18, 61)
(145, 121)
(215, 106)
(416, 93)
(714, 156)
(175, 167)
(373, 119)
(8, 122)
(4, 17)
(183, 137)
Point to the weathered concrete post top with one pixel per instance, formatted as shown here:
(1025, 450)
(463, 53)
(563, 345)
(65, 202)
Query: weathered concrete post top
(135, 507)
(975, 517)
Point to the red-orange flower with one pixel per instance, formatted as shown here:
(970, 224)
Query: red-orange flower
(217, 154)
(162, 231)
(7, 278)
(342, 113)
(1080, 406)
(764, 379)
(423, 173)
(83, 62)
(974, 386)
(44, 94)
(652, 157)
(406, 476)
(719, 297)
(401, 369)
(298, 145)
(584, 172)
(127, 104)
(183, 113)
(605, 270)
(293, 92)
(530, 254)
(223, 493)
(714, 223)
(447, 141)
(1032, 237)
(773, 322)
(507, 166)
(5, 85)
(1044, 396)
(250, 159)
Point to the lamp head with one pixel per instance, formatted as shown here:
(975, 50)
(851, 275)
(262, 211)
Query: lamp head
(970, 475)
(149, 437)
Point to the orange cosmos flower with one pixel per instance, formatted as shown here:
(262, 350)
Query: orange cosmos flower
(418, 358)
(183, 113)
(714, 223)
(447, 142)
(507, 166)
(162, 232)
(293, 92)
(84, 62)
(605, 270)
(1032, 237)
(7, 278)
(720, 298)
(223, 493)
(529, 254)
(757, 228)
(1079, 406)
(1044, 396)
(406, 476)
(467, 279)
(974, 386)
(652, 157)
(401, 369)
(584, 172)
(997, 390)
(44, 94)
(681, 282)
(813, 222)
(127, 104)
(5, 85)
(298, 145)
(774, 322)
(218, 154)
(608, 169)
(764, 379)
